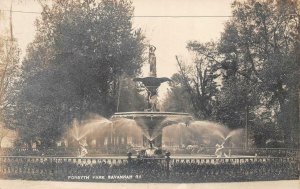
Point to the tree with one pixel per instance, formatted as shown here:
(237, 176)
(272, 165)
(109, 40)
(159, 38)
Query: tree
(257, 57)
(199, 81)
(264, 47)
(129, 98)
(177, 99)
(73, 66)
(9, 70)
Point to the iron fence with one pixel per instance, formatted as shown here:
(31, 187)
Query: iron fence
(234, 169)
(133, 169)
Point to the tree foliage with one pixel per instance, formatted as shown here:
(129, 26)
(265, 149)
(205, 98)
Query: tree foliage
(198, 80)
(9, 71)
(73, 66)
(258, 59)
(178, 99)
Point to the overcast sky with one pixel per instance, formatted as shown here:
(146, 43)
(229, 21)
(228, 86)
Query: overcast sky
(169, 34)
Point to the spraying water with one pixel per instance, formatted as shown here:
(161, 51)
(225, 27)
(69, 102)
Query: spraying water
(176, 132)
(80, 130)
(200, 133)
(197, 132)
(233, 133)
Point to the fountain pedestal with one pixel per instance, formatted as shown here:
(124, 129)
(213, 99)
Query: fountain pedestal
(151, 84)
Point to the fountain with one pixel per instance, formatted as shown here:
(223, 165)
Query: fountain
(152, 120)
(150, 131)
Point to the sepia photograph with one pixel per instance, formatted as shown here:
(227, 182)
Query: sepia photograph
(149, 94)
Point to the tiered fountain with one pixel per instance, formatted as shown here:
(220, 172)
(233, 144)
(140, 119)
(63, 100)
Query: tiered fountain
(151, 129)
(152, 120)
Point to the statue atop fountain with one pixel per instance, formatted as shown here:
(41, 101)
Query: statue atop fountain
(152, 82)
(152, 60)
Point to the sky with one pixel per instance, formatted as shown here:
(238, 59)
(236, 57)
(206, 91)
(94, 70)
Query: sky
(169, 34)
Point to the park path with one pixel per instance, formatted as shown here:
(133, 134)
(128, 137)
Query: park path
(24, 184)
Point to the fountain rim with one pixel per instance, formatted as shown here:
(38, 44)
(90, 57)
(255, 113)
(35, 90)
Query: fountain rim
(149, 114)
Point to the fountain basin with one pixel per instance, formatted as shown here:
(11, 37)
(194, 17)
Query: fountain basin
(152, 123)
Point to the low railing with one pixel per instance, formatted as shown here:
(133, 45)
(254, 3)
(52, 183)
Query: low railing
(133, 169)
(273, 152)
(235, 169)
